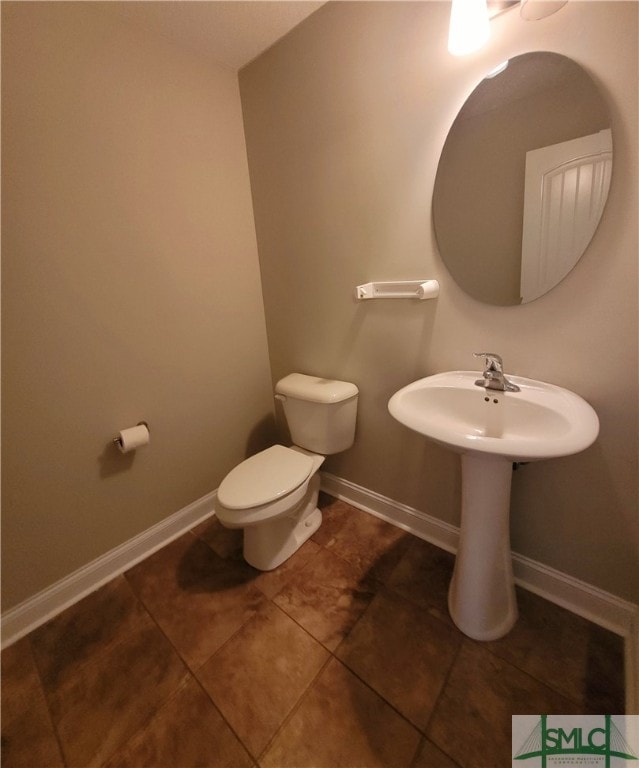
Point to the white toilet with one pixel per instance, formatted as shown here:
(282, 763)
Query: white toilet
(273, 495)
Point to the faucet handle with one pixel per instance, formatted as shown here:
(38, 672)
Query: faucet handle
(493, 361)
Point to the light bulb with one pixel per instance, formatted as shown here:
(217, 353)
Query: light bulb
(469, 26)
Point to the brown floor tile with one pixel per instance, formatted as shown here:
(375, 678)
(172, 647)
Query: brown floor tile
(259, 675)
(198, 599)
(92, 626)
(372, 546)
(110, 697)
(28, 738)
(104, 680)
(423, 576)
(472, 721)
(575, 657)
(341, 722)
(326, 598)
(272, 582)
(430, 756)
(403, 653)
(188, 731)
(334, 514)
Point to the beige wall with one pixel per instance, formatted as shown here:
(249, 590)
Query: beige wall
(131, 288)
(344, 121)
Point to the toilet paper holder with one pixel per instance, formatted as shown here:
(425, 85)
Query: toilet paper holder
(117, 441)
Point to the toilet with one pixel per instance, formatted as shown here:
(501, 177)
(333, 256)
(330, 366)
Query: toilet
(273, 495)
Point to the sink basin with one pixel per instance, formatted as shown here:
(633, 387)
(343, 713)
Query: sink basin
(541, 421)
(491, 430)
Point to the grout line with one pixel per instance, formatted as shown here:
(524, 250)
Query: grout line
(418, 750)
(45, 698)
(221, 714)
(191, 673)
(149, 717)
(547, 685)
(379, 695)
(564, 694)
(441, 693)
(295, 706)
(270, 599)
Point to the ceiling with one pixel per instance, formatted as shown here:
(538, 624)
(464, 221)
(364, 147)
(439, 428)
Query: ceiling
(234, 32)
(229, 32)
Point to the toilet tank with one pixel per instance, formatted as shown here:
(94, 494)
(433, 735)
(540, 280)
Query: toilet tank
(320, 413)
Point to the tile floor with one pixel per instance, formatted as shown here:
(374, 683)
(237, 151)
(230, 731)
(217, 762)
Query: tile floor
(344, 656)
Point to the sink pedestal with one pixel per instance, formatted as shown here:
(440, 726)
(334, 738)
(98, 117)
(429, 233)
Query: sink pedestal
(491, 429)
(481, 598)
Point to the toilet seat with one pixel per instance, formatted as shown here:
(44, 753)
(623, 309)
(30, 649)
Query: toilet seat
(246, 518)
(286, 471)
(265, 477)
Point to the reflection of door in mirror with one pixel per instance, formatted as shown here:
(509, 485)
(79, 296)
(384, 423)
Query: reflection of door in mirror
(566, 188)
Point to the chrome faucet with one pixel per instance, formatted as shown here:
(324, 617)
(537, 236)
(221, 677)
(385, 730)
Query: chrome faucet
(494, 373)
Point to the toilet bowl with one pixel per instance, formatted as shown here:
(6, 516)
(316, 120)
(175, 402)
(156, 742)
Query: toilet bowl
(273, 497)
(273, 494)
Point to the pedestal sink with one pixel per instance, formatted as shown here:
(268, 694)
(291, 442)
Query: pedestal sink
(491, 429)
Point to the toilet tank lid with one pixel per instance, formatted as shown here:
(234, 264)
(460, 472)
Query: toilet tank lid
(315, 389)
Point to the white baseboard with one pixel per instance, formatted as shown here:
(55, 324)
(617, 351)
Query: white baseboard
(430, 529)
(577, 596)
(36, 610)
(602, 608)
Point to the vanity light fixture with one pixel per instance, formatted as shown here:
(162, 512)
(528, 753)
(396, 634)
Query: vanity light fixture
(469, 28)
(497, 71)
(533, 10)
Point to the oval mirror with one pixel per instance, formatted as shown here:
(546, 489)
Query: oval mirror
(522, 179)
